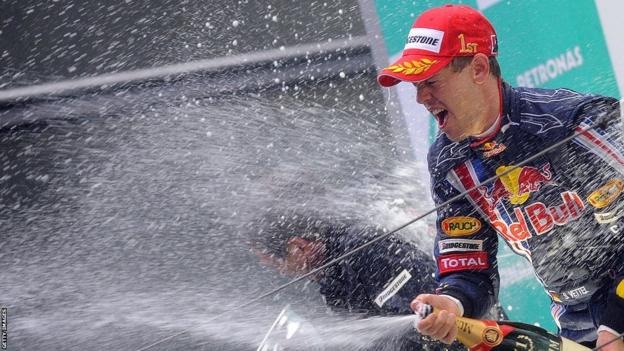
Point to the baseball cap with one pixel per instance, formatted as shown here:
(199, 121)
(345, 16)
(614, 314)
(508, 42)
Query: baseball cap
(437, 36)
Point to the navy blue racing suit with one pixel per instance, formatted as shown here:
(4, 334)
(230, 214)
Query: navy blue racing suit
(562, 211)
(382, 279)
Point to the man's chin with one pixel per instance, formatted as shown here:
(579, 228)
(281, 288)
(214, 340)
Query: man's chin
(454, 137)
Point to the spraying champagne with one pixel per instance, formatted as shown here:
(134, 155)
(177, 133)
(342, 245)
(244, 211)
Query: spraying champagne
(486, 335)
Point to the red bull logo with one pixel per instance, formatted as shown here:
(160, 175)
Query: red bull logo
(516, 185)
(541, 218)
(492, 148)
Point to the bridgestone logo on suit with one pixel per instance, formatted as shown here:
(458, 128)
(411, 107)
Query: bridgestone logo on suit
(395, 285)
(454, 245)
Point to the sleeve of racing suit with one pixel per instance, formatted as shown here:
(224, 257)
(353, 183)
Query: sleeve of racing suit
(600, 124)
(465, 251)
(606, 140)
(601, 110)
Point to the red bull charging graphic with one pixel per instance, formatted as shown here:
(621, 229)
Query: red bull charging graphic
(516, 185)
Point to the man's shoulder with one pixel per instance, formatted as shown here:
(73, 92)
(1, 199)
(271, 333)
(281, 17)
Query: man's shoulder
(546, 113)
(543, 102)
(545, 96)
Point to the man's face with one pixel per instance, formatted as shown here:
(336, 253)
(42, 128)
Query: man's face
(301, 256)
(450, 96)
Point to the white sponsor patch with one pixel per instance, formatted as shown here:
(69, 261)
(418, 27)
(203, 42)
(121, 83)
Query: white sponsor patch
(395, 285)
(425, 39)
(460, 245)
(575, 293)
(611, 216)
(607, 217)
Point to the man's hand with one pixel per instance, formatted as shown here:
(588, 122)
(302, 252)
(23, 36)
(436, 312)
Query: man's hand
(604, 337)
(440, 326)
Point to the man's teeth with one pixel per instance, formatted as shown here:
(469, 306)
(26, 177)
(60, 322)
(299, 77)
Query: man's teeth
(437, 111)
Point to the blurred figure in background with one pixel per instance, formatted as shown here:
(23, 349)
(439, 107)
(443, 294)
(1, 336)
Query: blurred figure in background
(381, 279)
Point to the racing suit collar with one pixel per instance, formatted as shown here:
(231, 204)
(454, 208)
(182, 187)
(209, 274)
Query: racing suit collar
(492, 132)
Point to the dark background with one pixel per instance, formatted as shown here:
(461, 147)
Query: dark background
(127, 213)
(53, 40)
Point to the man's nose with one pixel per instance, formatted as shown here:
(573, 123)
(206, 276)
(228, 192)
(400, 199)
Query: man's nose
(423, 95)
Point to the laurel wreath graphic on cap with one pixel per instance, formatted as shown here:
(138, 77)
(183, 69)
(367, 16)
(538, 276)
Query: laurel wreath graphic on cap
(412, 67)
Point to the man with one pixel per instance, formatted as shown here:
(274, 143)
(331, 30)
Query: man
(562, 211)
(381, 279)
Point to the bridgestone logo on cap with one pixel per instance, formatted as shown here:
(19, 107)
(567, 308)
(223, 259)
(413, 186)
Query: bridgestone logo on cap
(425, 39)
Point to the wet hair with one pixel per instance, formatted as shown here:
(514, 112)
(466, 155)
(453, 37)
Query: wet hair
(274, 230)
(460, 62)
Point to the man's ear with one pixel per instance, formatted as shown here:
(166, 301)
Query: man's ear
(480, 66)
(268, 259)
(299, 241)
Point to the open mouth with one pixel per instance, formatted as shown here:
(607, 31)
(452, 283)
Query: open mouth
(440, 116)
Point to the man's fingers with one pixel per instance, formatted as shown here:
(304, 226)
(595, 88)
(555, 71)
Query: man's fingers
(417, 305)
(425, 326)
(451, 331)
(440, 326)
(419, 301)
(444, 326)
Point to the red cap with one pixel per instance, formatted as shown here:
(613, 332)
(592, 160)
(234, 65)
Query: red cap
(437, 36)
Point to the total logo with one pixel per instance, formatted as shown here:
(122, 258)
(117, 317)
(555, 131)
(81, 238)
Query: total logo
(541, 218)
(516, 185)
(462, 262)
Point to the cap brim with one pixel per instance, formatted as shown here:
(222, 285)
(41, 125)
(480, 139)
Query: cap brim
(412, 68)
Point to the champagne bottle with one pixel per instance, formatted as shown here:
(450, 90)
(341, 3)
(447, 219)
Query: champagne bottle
(486, 335)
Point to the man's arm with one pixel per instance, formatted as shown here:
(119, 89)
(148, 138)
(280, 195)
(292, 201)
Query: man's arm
(606, 141)
(465, 252)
